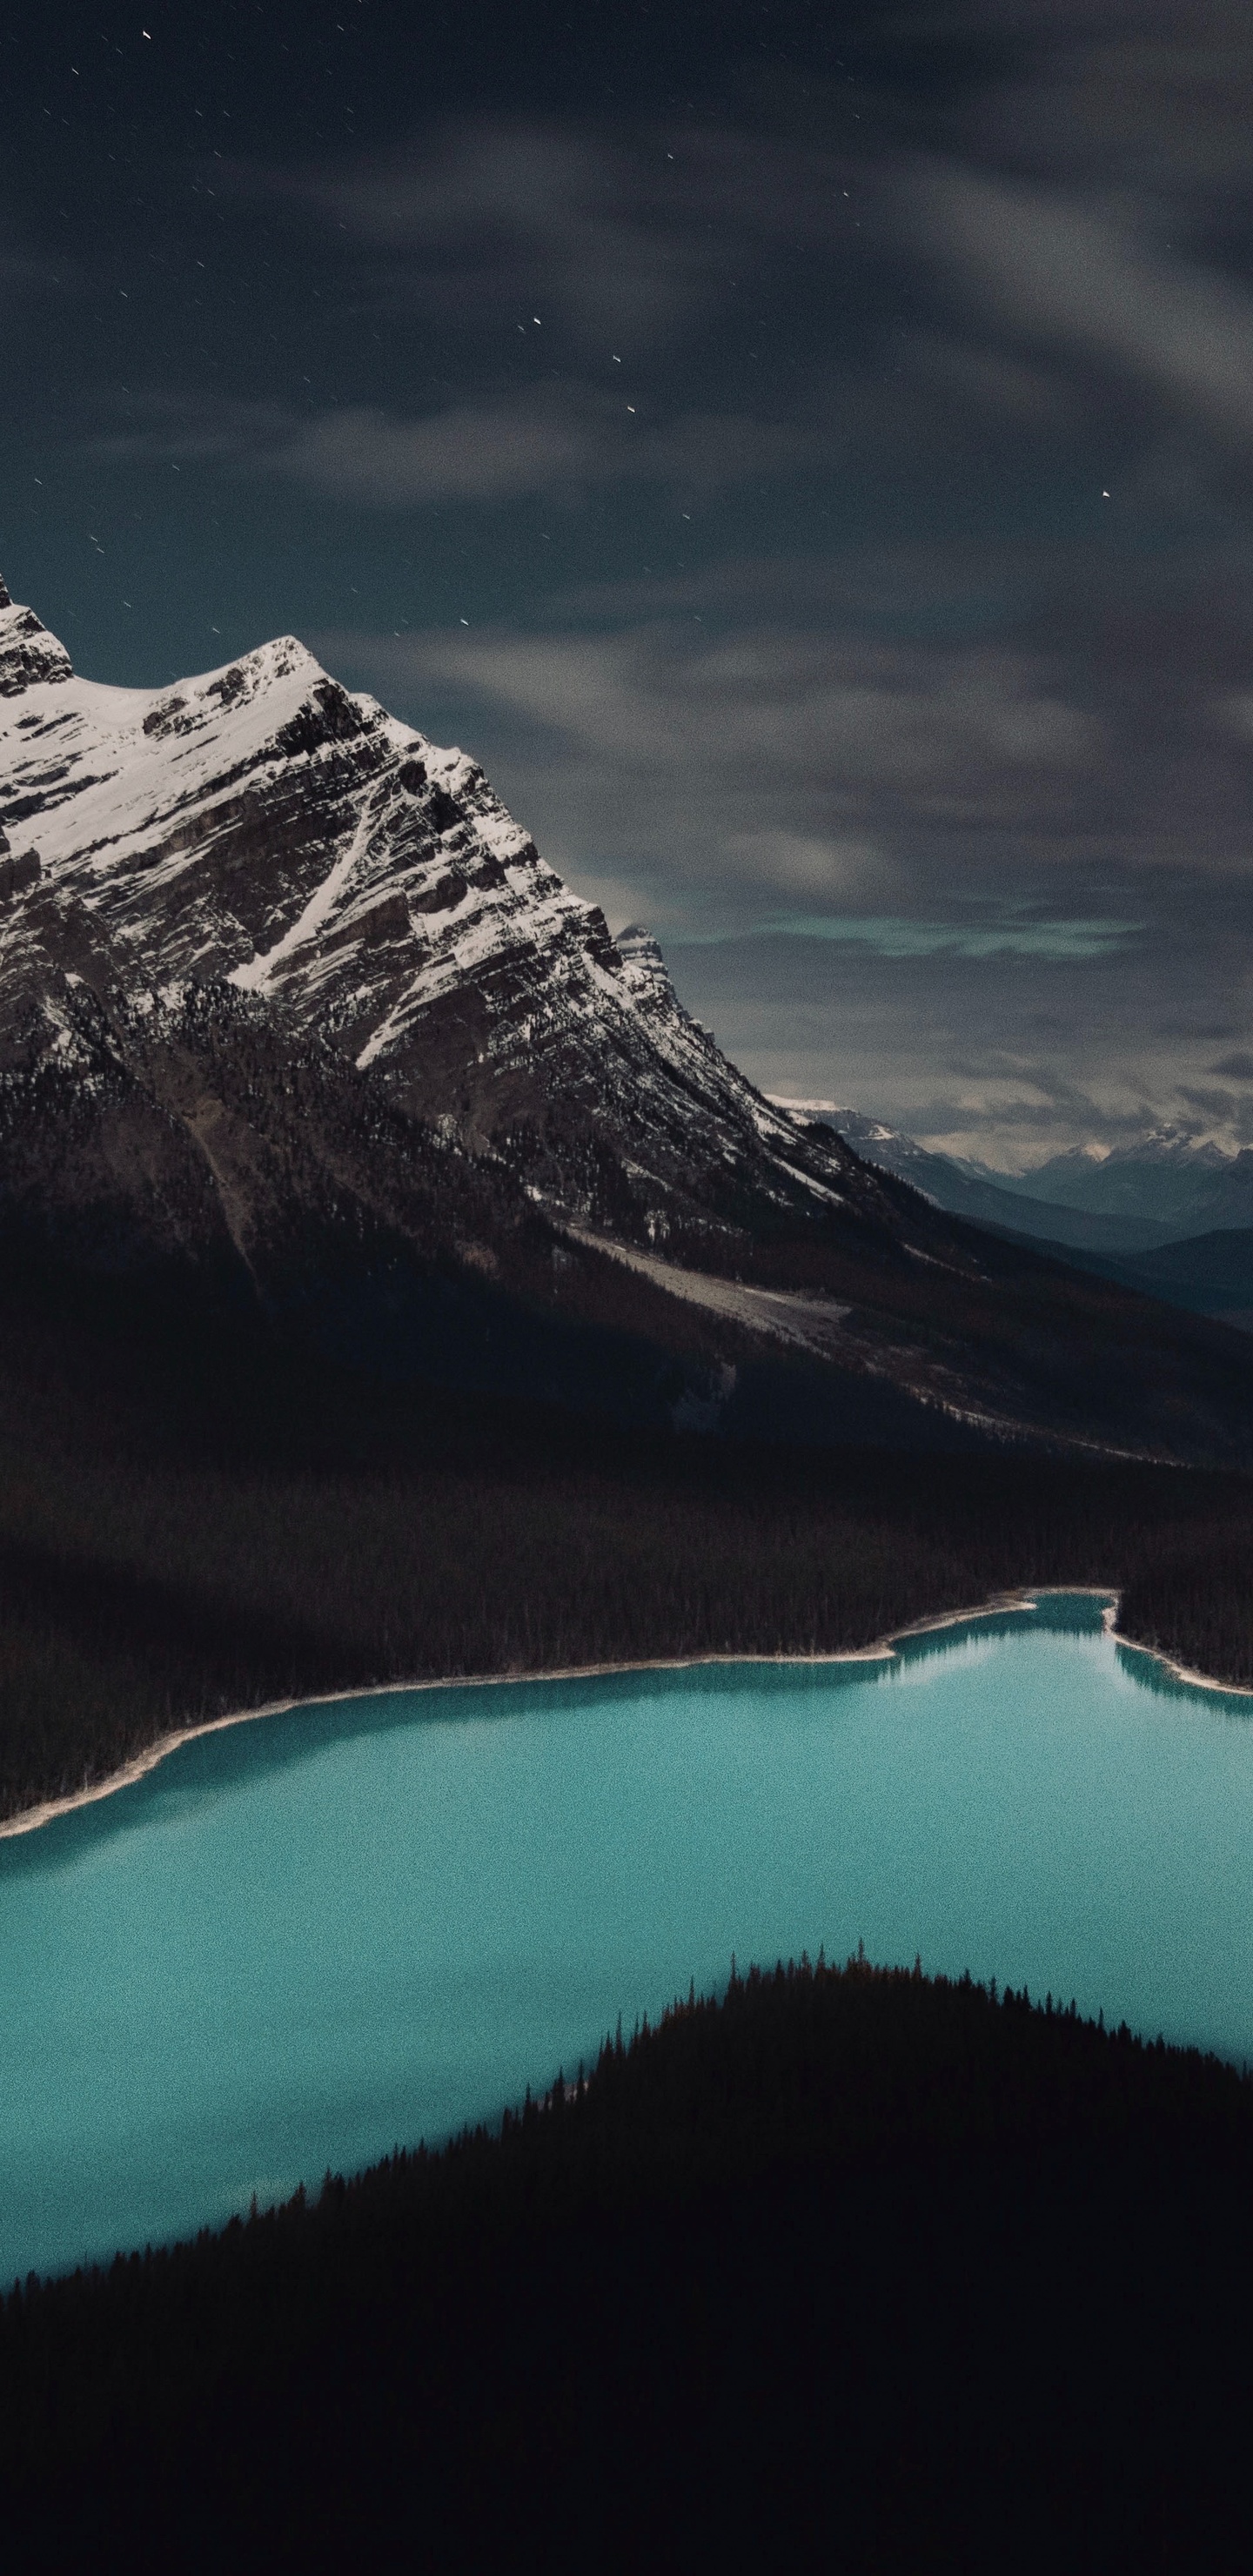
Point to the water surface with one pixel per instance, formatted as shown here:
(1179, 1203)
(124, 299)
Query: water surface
(300, 1941)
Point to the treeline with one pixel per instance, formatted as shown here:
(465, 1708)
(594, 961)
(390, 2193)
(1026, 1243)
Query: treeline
(1191, 1596)
(193, 1522)
(853, 2268)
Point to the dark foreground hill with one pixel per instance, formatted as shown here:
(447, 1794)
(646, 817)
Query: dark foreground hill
(854, 2270)
(1208, 1274)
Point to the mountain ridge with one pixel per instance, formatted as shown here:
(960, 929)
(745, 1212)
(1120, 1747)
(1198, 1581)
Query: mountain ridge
(1188, 1183)
(262, 828)
(986, 1197)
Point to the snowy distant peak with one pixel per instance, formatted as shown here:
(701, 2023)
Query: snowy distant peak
(28, 653)
(1121, 1178)
(1164, 1148)
(808, 1108)
(866, 1131)
(856, 1129)
(830, 1110)
(1172, 1145)
(5, 601)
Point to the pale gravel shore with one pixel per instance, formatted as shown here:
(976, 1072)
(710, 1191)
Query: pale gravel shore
(30, 1819)
(1180, 1672)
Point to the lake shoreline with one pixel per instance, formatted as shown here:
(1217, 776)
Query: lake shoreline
(29, 1820)
(1181, 1672)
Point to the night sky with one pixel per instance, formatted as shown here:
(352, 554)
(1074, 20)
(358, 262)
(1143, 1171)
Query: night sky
(805, 453)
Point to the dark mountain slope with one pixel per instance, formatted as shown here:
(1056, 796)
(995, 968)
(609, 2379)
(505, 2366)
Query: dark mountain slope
(1206, 1274)
(1005, 1336)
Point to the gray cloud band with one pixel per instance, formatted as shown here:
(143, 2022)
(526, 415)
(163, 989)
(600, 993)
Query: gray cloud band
(553, 442)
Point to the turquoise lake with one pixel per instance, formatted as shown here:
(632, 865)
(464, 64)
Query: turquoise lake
(302, 1940)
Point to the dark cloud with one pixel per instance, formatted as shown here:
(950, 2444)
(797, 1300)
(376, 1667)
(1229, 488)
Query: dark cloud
(762, 736)
(1095, 280)
(1048, 1119)
(738, 764)
(1214, 1108)
(556, 440)
(618, 240)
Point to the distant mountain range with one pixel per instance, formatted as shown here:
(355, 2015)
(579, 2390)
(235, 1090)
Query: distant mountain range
(986, 1197)
(1168, 1215)
(295, 1018)
(1178, 1180)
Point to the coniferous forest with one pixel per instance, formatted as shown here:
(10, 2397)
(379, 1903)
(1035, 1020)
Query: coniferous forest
(193, 1522)
(850, 2269)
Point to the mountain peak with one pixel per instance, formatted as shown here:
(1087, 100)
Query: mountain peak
(262, 831)
(1167, 1144)
(647, 974)
(29, 655)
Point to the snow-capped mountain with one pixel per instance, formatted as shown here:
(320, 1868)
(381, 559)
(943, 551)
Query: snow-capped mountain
(291, 1005)
(1184, 1182)
(262, 834)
